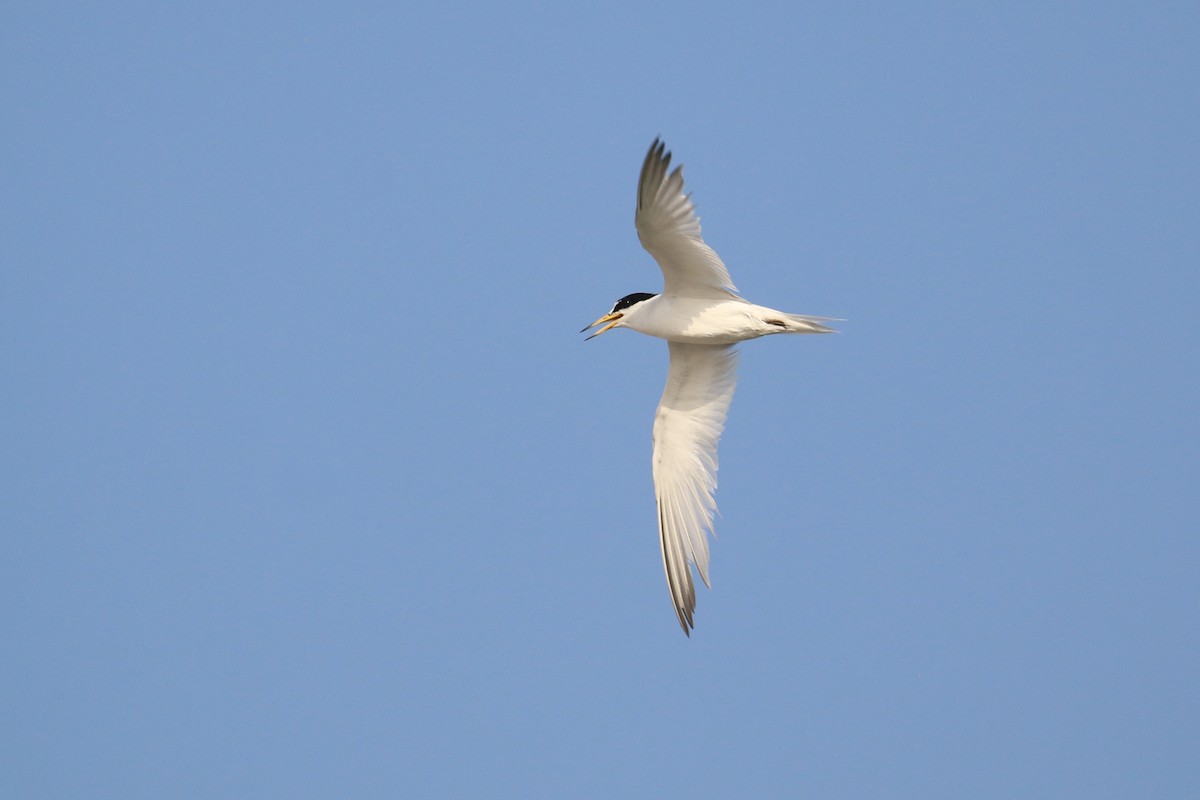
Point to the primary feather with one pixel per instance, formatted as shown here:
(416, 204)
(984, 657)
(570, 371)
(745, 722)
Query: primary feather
(669, 229)
(687, 426)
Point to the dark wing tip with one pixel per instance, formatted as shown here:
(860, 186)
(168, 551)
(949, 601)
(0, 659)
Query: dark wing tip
(654, 169)
(685, 611)
(683, 597)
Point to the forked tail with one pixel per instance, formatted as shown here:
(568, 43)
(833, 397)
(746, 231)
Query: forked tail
(802, 323)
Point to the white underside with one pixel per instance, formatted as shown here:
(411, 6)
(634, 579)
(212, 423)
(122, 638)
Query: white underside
(712, 321)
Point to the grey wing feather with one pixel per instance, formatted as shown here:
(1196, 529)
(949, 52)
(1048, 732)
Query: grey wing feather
(669, 229)
(687, 427)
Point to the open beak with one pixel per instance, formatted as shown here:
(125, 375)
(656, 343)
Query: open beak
(611, 319)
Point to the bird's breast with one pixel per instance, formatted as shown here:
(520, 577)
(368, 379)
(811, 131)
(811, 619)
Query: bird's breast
(698, 321)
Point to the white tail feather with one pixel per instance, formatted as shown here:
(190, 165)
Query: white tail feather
(801, 323)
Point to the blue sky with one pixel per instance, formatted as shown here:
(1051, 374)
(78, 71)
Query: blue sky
(312, 489)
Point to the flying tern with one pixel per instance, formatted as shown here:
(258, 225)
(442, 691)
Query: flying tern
(700, 315)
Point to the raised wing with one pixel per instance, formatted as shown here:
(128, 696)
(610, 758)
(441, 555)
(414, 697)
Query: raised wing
(687, 426)
(669, 229)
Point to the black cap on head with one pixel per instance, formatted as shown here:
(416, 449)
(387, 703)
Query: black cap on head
(629, 299)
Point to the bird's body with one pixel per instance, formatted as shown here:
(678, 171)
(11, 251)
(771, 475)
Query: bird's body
(701, 317)
(694, 320)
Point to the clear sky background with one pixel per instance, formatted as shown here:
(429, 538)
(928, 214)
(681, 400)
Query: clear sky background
(312, 489)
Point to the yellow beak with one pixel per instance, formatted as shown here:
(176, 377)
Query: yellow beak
(611, 319)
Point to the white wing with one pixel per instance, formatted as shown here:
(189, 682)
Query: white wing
(687, 426)
(669, 229)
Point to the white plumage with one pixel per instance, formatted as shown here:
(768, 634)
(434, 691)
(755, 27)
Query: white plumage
(701, 318)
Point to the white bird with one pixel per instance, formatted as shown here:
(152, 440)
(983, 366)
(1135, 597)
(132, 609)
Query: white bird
(701, 317)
